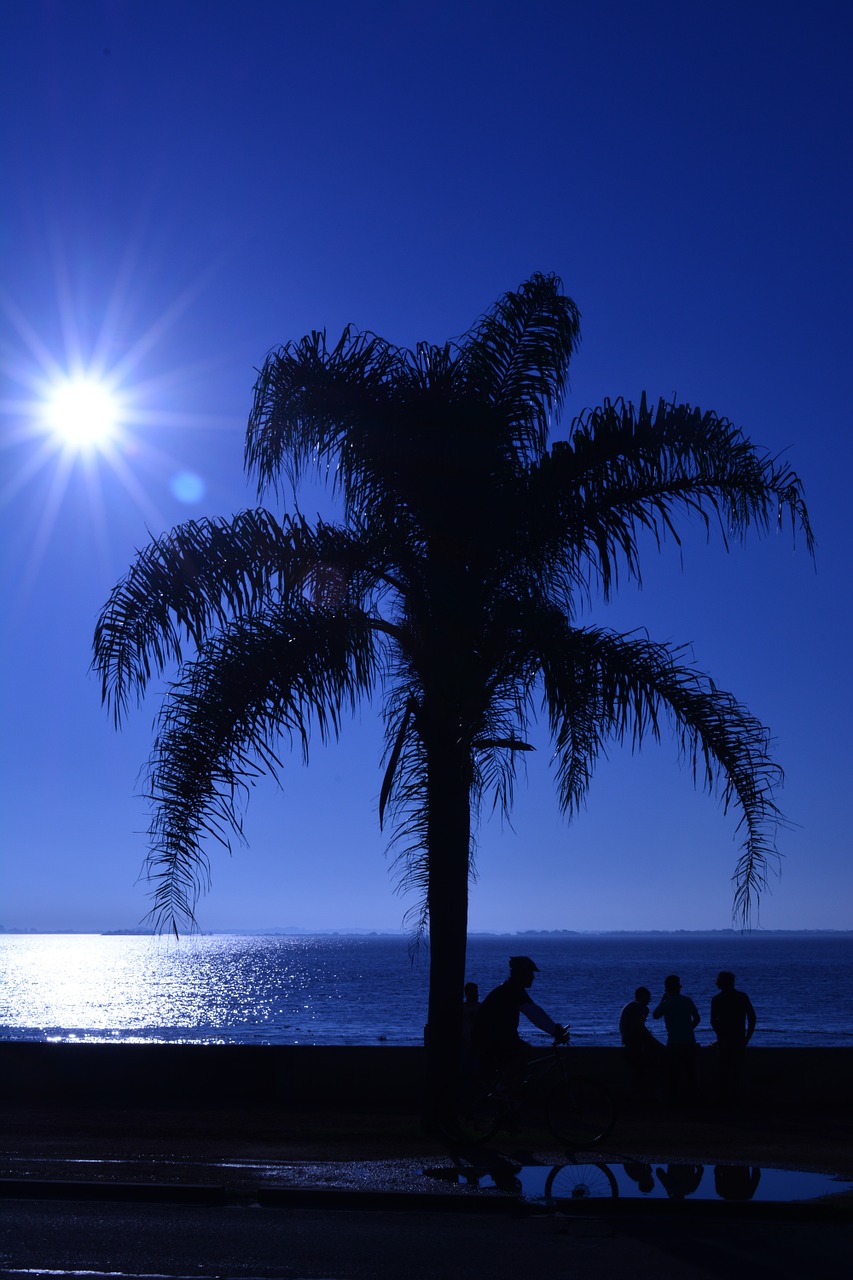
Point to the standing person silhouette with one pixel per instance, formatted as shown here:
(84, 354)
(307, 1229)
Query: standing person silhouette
(681, 1017)
(496, 1037)
(733, 1020)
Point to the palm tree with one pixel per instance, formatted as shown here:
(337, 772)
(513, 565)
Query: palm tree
(451, 586)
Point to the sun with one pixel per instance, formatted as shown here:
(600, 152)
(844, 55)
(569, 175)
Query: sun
(83, 422)
(82, 413)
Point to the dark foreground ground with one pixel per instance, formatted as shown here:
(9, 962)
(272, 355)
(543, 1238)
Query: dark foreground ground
(341, 1193)
(179, 1144)
(295, 1243)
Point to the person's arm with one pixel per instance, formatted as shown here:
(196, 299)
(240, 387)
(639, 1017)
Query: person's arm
(694, 1016)
(659, 1011)
(750, 1020)
(540, 1019)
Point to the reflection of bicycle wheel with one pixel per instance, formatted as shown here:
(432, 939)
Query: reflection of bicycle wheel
(468, 1112)
(581, 1182)
(579, 1112)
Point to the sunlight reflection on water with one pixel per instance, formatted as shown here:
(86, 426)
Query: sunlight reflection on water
(122, 985)
(340, 989)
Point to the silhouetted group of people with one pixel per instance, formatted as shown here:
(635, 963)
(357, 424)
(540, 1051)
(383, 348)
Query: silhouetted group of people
(680, 1180)
(491, 1041)
(732, 1020)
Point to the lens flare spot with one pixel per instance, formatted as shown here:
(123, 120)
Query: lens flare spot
(187, 486)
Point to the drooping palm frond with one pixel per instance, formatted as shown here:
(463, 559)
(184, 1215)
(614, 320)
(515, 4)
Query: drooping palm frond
(404, 795)
(261, 680)
(182, 584)
(600, 685)
(203, 574)
(625, 471)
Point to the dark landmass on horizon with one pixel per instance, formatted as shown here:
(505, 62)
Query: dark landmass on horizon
(294, 931)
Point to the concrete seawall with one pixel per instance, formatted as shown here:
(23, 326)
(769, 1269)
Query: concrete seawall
(223, 1076)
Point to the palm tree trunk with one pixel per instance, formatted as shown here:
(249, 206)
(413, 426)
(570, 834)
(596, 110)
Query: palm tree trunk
(448, 851)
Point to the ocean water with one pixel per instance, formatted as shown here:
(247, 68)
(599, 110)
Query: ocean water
(337, 989)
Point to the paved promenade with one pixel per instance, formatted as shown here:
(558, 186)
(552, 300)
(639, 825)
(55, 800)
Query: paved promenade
(355, 1194)
(380, 1150)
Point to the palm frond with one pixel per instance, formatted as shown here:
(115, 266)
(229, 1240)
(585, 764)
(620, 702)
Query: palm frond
(314, 403)
(600, 686)
(406, 801)
(399, 742)
(516, 358)
(203, 574)
(262, 679)
(626, 471)
(185, 582)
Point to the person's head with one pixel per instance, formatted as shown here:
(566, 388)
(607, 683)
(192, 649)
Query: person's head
(642, 995)
(672, 984)
(472, 992)
(522, 970)
(725, 980)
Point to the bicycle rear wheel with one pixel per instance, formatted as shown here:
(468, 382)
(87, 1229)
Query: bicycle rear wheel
(579, 1112)
(583, 1181)
(468, 1112)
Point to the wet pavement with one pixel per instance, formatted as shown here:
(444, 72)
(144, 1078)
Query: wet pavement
(139, 1199)
(370, 1196)
(370, 1159)
(487, 1180)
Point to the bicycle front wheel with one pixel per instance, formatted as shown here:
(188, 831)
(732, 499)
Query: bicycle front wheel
(579, 1112)
(468, 1112)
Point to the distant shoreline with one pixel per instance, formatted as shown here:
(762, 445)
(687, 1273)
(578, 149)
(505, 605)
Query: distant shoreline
(538, 934)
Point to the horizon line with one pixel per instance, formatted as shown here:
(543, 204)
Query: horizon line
(360, 931)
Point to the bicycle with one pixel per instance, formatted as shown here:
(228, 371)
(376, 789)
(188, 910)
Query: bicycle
(578, 1110)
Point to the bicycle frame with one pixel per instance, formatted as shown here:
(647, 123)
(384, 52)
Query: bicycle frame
(577, 1110)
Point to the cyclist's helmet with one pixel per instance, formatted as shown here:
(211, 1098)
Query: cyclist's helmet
(522, 964)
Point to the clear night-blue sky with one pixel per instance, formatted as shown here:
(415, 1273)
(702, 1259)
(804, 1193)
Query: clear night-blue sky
(187, 184)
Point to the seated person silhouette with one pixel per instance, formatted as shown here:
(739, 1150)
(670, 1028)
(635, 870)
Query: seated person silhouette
(642, 1049)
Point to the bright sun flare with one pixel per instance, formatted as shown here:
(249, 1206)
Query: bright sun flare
(82, 413)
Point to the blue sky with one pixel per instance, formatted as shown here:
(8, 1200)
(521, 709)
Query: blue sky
(187, 185)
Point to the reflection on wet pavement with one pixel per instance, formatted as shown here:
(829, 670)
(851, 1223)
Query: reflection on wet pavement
(585, 1180)
(478, 1175)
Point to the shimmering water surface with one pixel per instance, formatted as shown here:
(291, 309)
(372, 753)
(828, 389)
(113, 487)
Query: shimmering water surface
(364, 990)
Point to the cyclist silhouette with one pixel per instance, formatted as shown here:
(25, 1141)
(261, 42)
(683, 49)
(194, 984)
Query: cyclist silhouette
(496, 1030)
